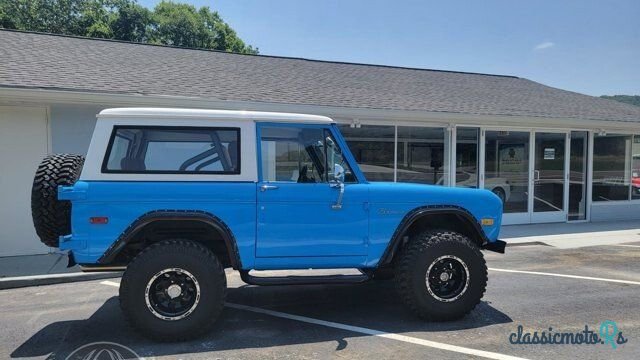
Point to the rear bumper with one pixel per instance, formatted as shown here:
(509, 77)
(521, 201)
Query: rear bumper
(497, 246)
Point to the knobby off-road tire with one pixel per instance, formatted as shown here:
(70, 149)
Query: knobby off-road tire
(434, 256)
(52, 217)
(200, 280)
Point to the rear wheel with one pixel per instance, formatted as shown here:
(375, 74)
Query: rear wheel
(173, 291)
(441, 275)
(52, 217)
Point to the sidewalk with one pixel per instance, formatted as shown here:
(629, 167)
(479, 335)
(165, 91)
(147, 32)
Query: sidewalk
(45, 269)
(573, 235)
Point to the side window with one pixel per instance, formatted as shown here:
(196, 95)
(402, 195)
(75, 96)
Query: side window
(299, 154)
(173, 150)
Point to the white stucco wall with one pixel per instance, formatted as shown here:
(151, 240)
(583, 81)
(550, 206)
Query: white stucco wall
(72, 126)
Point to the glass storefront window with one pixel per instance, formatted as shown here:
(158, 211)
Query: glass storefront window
(467, 157)
(578, 175)
(372, 146)
(611, 167)
(507, 168)
(422, 155)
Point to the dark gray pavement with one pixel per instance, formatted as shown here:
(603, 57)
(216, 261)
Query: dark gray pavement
(51, 321)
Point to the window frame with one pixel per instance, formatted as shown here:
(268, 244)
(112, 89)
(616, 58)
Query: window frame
(105, 161)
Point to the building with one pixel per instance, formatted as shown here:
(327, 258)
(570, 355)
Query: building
(552, 155)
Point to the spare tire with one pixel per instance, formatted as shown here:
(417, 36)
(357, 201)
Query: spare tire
(52, 217)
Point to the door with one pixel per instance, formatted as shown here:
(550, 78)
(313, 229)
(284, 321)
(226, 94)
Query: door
(528, 171)
(23, 144)
(301, 212)
(549, 177)
(506, 172)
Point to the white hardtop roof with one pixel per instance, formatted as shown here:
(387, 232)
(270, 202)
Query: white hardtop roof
(165, 113)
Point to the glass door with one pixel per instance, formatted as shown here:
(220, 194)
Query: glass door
(548, 177)
(506, 172)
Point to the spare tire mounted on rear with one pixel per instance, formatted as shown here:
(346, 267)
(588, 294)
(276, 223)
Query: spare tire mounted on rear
(52, 217)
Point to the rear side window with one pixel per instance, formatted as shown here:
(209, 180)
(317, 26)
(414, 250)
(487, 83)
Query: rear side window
(173, 150)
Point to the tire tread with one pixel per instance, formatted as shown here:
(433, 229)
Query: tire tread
(175, 246)
(422, 243)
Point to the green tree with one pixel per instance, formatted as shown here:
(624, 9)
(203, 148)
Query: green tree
(131, 22)
(169, 23)
(178, 25)
(55, 16)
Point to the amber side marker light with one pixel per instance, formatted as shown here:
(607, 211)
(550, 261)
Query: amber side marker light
(98, 220)
(487, 222)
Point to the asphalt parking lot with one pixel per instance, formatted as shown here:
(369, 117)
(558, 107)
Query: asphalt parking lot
(526, 287)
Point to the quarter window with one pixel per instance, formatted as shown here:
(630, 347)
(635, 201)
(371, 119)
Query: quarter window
(173, 150)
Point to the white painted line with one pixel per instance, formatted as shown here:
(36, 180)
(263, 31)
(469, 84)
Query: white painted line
(110, 283)
(631, 246)
(567, 276)
(382, 334)
(407, 339)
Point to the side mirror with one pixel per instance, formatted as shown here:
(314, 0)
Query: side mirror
(338, 173)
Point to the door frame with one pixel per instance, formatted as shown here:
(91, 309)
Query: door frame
(529, 216)
(549, 216)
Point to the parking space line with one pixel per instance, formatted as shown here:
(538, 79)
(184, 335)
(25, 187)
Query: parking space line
(567, 276)
(377, 333)
(397, 337)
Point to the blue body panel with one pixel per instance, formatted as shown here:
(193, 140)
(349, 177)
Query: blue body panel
(390, 202)
(124, 202)
(297, 220)
(291, 227)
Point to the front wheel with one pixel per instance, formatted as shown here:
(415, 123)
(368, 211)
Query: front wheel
(174, 290)
(441, 275)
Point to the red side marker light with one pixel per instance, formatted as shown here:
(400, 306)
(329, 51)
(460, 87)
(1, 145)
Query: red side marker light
(98, 220)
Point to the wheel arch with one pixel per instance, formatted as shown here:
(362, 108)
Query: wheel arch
(450, 217)
(151, 227)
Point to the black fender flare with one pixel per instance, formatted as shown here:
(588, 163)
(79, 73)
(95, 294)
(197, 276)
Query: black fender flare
(418, 213)
(172, 215)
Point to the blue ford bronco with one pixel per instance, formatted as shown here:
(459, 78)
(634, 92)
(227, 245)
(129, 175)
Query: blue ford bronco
(175, 196)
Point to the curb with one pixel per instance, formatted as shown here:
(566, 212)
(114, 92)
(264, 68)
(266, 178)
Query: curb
(527, 243)
(51, 279)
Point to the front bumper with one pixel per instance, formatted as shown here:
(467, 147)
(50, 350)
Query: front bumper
(497, 246)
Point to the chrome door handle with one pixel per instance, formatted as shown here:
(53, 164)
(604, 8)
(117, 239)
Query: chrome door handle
(264, 188)
(338, 203)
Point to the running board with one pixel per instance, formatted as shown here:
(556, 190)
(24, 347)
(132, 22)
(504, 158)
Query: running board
(302, 280)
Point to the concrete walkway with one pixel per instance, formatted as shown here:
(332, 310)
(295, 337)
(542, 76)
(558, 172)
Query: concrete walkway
(573, 235)
(45, 269)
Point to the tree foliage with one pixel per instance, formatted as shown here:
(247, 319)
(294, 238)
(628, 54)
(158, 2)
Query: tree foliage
(629, 99)
(169, 23)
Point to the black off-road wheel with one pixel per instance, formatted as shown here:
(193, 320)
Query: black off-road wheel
(52, 217)
(441, 275)
(173, 290)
